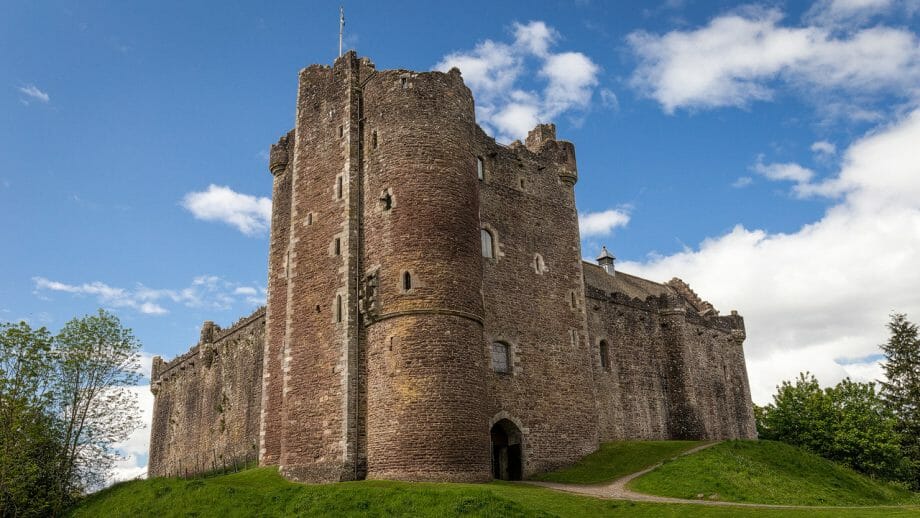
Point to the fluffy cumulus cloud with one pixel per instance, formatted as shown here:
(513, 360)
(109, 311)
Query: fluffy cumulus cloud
(599, 224)
(741, 57)
(496, 72)
(818, 299)
(206, 291)
(250, 215)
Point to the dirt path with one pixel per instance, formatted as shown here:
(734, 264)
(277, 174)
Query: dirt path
(617, 490)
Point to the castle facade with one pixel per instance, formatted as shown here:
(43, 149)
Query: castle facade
(429, 315)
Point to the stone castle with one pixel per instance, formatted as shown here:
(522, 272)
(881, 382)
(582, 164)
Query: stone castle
(429, 315)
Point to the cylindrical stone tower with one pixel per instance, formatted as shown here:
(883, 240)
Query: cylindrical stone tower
(423, 280)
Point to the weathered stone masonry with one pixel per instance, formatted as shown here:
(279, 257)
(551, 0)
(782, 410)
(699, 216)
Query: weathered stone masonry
(207, 402)
(429, 316)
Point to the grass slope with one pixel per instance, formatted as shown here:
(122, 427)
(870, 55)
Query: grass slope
(262, 492)
(617, 459)
(767, 472)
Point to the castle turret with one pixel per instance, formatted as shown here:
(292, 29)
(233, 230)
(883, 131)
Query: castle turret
(425, 364)
(280, 164)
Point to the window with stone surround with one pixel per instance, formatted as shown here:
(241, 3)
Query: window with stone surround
(488, 247)
(605, 355)
(338, 308)
(337, 247)
(407, 281)
(501, 357)
(480, 168)
(338, 187)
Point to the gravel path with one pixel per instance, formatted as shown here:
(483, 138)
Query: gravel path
(617, 490)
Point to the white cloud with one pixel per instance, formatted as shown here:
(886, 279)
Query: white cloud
(536, 37)
(251, 215)
(494, 70)
(738, 57)
(823, 149)
(33, 93)
(742, 182)
(205, 291)
(786, 172)
(601, 223)
(824, 292)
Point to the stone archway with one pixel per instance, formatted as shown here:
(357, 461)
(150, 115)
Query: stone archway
(507, 451)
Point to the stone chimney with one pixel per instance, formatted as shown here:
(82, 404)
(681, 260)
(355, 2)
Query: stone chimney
(605, 260)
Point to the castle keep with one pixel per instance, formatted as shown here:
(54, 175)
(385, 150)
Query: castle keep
(429, 315)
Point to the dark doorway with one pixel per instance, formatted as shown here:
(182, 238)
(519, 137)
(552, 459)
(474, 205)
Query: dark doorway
(507, 452)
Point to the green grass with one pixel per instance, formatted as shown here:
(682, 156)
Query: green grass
(262, 492)
(767, 472)
(616, 459)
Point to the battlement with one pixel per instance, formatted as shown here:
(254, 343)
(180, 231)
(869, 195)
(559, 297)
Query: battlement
(210, 333)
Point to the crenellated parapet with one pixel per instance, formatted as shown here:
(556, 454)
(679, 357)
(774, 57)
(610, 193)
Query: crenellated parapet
(200, 352)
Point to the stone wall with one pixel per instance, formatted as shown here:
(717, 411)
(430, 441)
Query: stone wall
(533, 298)
(207, 406)
(671, 373)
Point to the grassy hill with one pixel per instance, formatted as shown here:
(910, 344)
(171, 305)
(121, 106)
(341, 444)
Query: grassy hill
(767, 472)
(618, 459)
(262, 492)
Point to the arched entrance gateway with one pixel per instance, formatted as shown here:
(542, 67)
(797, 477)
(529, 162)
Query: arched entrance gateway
(507, 451)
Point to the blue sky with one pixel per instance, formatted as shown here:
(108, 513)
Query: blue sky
(763, 152)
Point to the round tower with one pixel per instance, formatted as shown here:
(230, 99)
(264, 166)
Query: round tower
(422, 299)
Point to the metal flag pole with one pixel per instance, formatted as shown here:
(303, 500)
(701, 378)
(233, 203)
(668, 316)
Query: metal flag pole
(341, 27)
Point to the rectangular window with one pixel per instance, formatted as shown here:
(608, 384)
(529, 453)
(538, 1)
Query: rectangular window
(338, 188)
(338, 246)
(480, 170)
(500, 360)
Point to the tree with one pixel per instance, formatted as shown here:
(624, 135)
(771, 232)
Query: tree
(96, 361)
(901, 390)
(29, 433)
(848, 423)
(801, 414)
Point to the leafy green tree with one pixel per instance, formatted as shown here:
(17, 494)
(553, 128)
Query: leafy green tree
(864, 431)
(901, 389)
(29, 434)
(801, 414)
(848, 423)
(96, 361)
